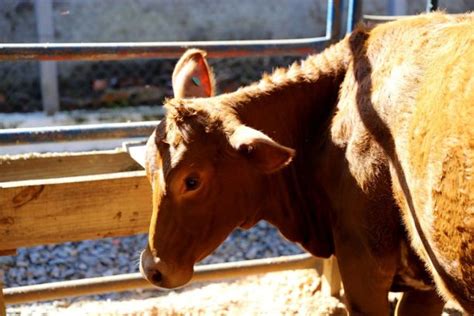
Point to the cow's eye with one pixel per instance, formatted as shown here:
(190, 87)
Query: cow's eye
(192, 183)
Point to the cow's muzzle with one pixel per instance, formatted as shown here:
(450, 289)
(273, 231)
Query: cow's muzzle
(161, 274)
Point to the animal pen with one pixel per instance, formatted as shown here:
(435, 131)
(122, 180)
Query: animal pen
(69, 202)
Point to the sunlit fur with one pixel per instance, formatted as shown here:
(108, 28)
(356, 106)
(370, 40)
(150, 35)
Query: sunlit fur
(382, 127)
(189, 69)
(419, 98)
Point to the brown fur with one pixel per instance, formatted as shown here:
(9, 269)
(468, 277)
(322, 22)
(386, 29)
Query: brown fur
(381, 125)
(423, 126)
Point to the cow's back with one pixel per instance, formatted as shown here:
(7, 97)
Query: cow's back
(439, 159)
(427, 105)
(409, 96)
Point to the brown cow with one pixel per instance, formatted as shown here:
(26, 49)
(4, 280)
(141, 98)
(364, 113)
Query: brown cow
(365, 151)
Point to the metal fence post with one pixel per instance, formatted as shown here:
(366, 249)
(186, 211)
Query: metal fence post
(48, 69)
(335, 15)
(399, 7)
(354, 14)
(331, 279)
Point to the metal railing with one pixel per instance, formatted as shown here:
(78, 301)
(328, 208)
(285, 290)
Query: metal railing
(131, 281)
(20, 136)
(109, 51)
(215, 49)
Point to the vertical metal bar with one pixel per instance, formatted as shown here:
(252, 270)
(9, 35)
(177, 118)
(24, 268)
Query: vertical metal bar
(48, 69)
(431, 5)
(333, 20)
(331, 279)
(329, 19)
(49, 86)
(354, 14)
(398, 7)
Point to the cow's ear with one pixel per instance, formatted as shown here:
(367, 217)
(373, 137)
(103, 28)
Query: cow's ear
(192, 76)
(267, 155)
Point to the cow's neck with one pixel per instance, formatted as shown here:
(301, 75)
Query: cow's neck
(296, 113)
(297, 205)
(288, 104)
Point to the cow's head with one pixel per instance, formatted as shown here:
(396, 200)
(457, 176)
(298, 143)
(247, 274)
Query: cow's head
(208, 174)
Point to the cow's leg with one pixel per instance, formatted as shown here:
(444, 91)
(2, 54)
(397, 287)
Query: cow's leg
(420, 303)
(363, 295)
(366, 274)
(366, 283)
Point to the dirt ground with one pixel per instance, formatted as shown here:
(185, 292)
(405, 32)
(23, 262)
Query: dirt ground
(280, 293)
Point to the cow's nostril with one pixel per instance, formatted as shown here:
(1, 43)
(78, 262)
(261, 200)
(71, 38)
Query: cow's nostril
(156, 277)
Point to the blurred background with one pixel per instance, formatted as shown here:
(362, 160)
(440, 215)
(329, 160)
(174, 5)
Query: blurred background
(117, 91)
(112, 84)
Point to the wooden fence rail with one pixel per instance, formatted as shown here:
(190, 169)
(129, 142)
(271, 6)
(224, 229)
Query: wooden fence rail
(73, 208)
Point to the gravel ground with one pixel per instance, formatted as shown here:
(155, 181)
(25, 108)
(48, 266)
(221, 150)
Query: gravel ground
(282, 293)
(111, 256)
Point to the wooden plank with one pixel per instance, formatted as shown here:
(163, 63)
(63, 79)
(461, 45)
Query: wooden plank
(8, 252)
(331, 279)
(39, 212)
(56, 165)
